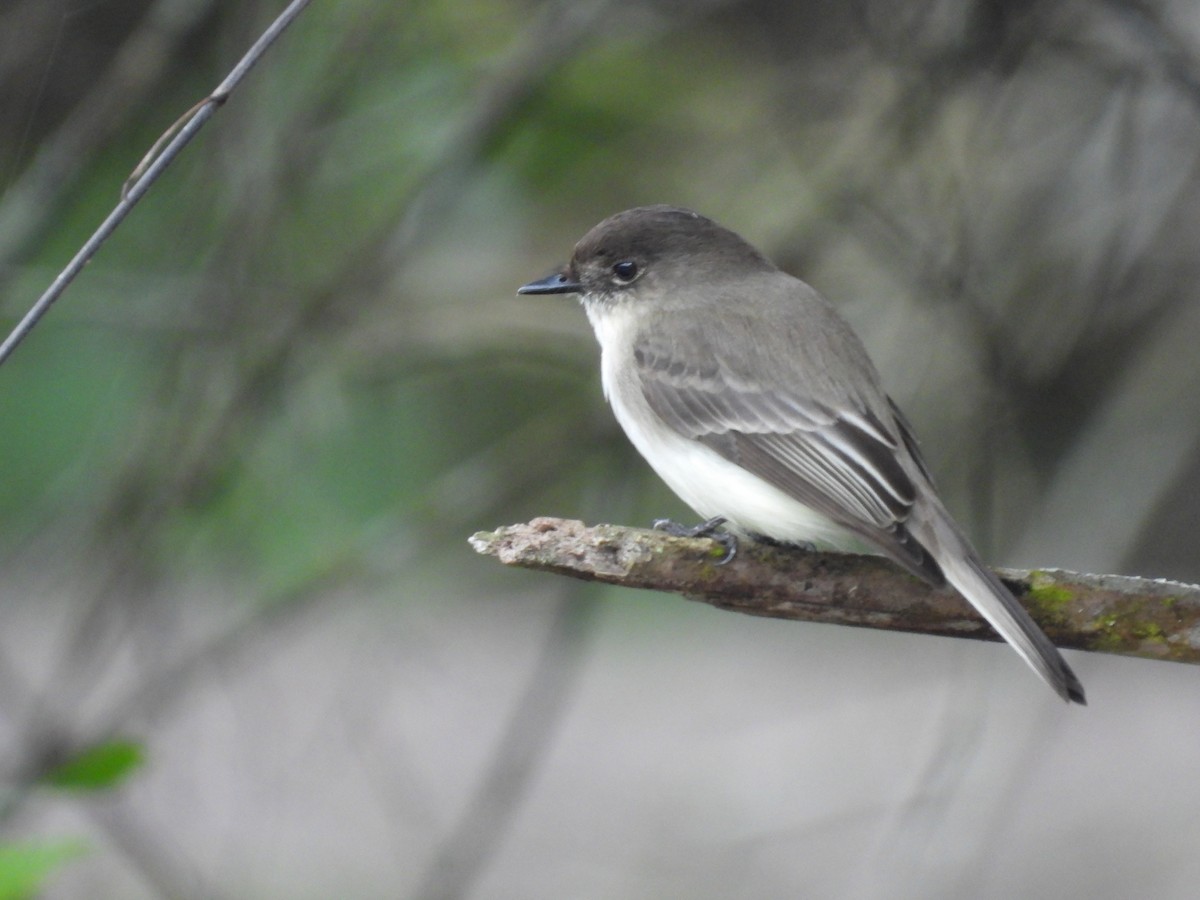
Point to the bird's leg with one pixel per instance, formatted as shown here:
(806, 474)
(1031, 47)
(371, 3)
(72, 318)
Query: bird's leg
(704, 529)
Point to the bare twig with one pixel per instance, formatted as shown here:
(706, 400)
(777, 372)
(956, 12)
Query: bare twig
(146, 174)
(1156, 619)
(33, 200)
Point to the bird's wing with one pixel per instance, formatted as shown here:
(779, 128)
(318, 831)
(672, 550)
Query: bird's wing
(828, 449)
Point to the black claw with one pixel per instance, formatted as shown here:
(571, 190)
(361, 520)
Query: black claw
(729, 542)
(704, 529)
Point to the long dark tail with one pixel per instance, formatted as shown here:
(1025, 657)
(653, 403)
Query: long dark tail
(996, 603)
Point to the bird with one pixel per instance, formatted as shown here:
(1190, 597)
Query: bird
(758, 405)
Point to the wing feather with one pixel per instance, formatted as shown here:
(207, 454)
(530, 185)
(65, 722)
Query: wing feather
(848, 465)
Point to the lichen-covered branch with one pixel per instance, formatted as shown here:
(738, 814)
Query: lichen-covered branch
(1107, 613)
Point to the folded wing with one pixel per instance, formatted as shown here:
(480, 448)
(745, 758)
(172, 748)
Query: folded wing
(848, 465)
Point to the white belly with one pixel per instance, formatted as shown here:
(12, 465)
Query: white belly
(703, 479)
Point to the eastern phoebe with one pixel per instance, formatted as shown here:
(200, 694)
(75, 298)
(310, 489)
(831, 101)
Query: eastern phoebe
(754, 401)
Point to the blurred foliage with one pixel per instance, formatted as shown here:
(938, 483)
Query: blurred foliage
(25, 867)
(299, 370)
(97, 768)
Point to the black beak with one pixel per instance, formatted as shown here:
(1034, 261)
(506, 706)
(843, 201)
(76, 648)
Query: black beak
(557, 283)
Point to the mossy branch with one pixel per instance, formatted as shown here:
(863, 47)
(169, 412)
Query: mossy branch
(1156, 619)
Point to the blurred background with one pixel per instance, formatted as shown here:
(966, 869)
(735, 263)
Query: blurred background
(245, 648)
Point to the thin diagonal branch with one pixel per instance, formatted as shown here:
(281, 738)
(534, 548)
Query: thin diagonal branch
(146, 174)
(33, 200)
(1155, 619)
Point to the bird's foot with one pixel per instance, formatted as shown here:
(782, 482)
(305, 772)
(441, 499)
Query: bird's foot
(704, 529)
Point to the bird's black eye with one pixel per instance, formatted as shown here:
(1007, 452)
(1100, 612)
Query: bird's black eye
(625, 271)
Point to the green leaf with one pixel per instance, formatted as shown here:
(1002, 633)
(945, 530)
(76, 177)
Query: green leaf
(23, 867)
(96, 768)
